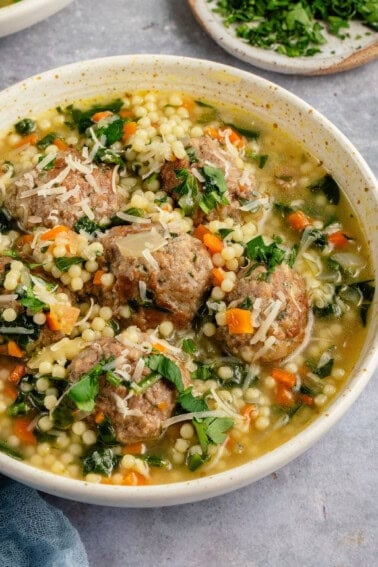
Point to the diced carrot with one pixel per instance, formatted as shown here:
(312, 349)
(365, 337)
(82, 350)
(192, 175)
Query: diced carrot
(22, 430)
(230, 443)
(159, 347)
(284, 397)
(10, 391)
(218, 276)
(30, 139)
(126, 113)
(162, 406)
(338, 239)
(97, 116)
(129, 128)
(106, 480)
(239, 321)
(213, 243)
(25, 239)
(249, 411)
(99, 417)
(189, 104)
(235, 138)
(133, 449)
(307, 400)
(62, 317)
(17, 373)
(213, 133)
(60, 144)
(298, 220)
(97, 277)
(53, 233)
(200, 231)
(134, 478)
(14, 350)
(284, 377)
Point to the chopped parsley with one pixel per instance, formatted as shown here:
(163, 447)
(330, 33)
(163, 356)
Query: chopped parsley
(293, 29)
(270, 255)
(214, 189)
(84, 392)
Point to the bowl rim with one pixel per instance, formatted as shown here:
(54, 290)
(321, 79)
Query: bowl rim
(24, 14)
(237, 477)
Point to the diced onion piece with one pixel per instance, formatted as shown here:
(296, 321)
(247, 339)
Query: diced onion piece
(133, 245)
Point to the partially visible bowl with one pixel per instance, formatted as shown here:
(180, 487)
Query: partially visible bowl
(211, 81)
(21, 15)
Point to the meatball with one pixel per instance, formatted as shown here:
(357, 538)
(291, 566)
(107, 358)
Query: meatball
(62, 195)
(134, 418)
(210, 152)
(167, 284)
(280, 298)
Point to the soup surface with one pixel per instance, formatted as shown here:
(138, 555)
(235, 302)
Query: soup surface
(4, 3)
(183, 288)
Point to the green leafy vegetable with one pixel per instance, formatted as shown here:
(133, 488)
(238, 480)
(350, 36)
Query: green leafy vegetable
(100, 461)
(4, 448)
(248, 133)
(187, 191)
(153, 460)
(328, 186)
(269, 254)
(224, 232)
(195, 460)
(191, 403)
(86, 224)
(212, 430)
(83, 118)
(105, 155)
(166, 368)
(112, 131)
(189, 346)
(293, 28)
(5, 221)
(214, 189)
(247, 303)
(12, 330)
(84, 392)
(25, 126)
(106, 432)
(64, 264)
(47, 140)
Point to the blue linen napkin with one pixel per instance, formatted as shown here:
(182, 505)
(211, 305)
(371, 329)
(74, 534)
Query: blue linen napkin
(33, 533)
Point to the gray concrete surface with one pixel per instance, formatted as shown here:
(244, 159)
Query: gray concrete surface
(321, 509)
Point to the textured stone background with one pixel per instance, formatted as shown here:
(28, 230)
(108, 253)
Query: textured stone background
(318, 511)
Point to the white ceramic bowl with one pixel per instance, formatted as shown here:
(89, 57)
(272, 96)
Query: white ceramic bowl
(21, 15)
(209, 80)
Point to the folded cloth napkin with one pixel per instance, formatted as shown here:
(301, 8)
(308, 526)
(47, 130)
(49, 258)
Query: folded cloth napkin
(33, 533)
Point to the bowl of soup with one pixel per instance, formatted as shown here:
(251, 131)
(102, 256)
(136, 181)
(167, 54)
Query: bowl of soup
(187, 279)
(16, 15)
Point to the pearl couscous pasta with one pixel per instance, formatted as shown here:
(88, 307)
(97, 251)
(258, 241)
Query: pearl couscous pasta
(182, 289)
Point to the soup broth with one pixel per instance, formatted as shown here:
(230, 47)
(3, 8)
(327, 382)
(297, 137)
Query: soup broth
(183, 288)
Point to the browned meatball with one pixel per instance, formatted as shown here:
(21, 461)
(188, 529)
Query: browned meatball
(174, 281)
(280, 297)
(63, 194)
(210, 152)
(135, 418)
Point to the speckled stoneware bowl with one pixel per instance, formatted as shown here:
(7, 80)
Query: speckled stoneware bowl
(21, 15)
(211, 81)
